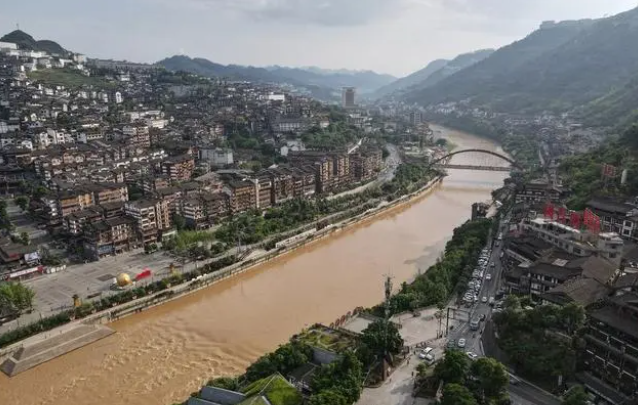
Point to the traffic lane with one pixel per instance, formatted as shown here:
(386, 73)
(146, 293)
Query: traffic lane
(532, 394)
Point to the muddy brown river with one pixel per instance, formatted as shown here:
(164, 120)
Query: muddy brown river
(160, 356)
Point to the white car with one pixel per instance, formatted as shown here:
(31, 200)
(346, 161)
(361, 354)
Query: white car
(472, 355)
(461, 343)
(484, 300)
(488, 276)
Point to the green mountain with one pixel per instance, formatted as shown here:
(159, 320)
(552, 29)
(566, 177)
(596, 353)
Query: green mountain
(26, 41)
(364, 81)
(617, 108)
(411, 80)
(558, 66)
(457, 64)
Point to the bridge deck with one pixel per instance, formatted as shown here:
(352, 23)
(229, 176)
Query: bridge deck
(475, 167)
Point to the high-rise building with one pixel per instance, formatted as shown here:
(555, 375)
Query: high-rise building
(348, 97)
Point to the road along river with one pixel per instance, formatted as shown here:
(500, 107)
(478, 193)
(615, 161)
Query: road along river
(160, 356)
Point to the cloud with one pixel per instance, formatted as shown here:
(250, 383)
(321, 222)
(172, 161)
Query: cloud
(332, 13)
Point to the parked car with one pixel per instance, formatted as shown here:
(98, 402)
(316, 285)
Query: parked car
(451, 344)
(484, 300)
(488, 276)
(482, 317)
(461, 343)
(491, 301)
(472, 355)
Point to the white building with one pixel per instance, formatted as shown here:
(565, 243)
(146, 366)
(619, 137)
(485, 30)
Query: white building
(276, 97)
(607, 245)
(216, 156)
(118, 97)
(7, 46)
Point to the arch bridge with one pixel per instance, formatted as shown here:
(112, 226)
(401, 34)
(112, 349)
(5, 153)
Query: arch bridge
(486, 163)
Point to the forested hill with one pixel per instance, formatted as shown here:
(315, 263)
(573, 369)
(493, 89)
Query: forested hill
(364, 81)
(559, 67)
(582, 173)
(26, 41)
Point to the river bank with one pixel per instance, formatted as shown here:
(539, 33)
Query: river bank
(202, 282)
(164, 353)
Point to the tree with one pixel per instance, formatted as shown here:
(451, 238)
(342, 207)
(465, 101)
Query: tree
(16, 296)
(456, 394)
(512, 303)
(343, 376)
(328, 397)
(573, 317)
(491, 376)
(576, 396)
(454, 367)
(179, 222)
(382, 337)
(22, 202)
(24, 238)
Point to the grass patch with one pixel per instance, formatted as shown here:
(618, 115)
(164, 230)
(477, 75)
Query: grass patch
(275, 388)
(68, 78)
(326, 339)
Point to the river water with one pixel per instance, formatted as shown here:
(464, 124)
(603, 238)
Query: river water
(160, 356)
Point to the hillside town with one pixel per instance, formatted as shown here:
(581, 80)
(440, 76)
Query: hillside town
(108, 161)
(112, 163)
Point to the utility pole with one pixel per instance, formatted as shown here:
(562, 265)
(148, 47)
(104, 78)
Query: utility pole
(388, 295)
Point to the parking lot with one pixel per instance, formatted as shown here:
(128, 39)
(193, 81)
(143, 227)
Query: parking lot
(55, 291)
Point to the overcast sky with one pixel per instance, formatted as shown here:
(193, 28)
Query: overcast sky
(390, 36)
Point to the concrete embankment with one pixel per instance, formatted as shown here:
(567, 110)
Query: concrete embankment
(53, 344)
(178, 291)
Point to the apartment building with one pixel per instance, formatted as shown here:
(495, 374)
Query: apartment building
(204, 210)
(75, 222)
(538, 192)
(151, 218)
(341, 170)
(107, 193)
(545, 275)
(366, 164)
(137, 135)
(616, 216)
(68, 202)
(574, 241)
(611, 353)
(242, 195)
(179, 168)
(109, 237)
(324, 172)
(264, 190)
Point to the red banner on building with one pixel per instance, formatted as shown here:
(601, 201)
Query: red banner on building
(575, 220)
(592, 221)
(549, 211)
(562, 214)
(609, 171)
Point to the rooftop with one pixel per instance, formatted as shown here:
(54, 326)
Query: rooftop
(583, 291)
(616, 319)
(610, 205)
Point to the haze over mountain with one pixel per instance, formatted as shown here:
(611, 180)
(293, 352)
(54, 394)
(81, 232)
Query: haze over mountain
(434, 72)
(364, 81)
(559, 67)
(410, 80)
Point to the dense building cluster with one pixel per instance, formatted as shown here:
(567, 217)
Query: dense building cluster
(119, 150)
(554, 258)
